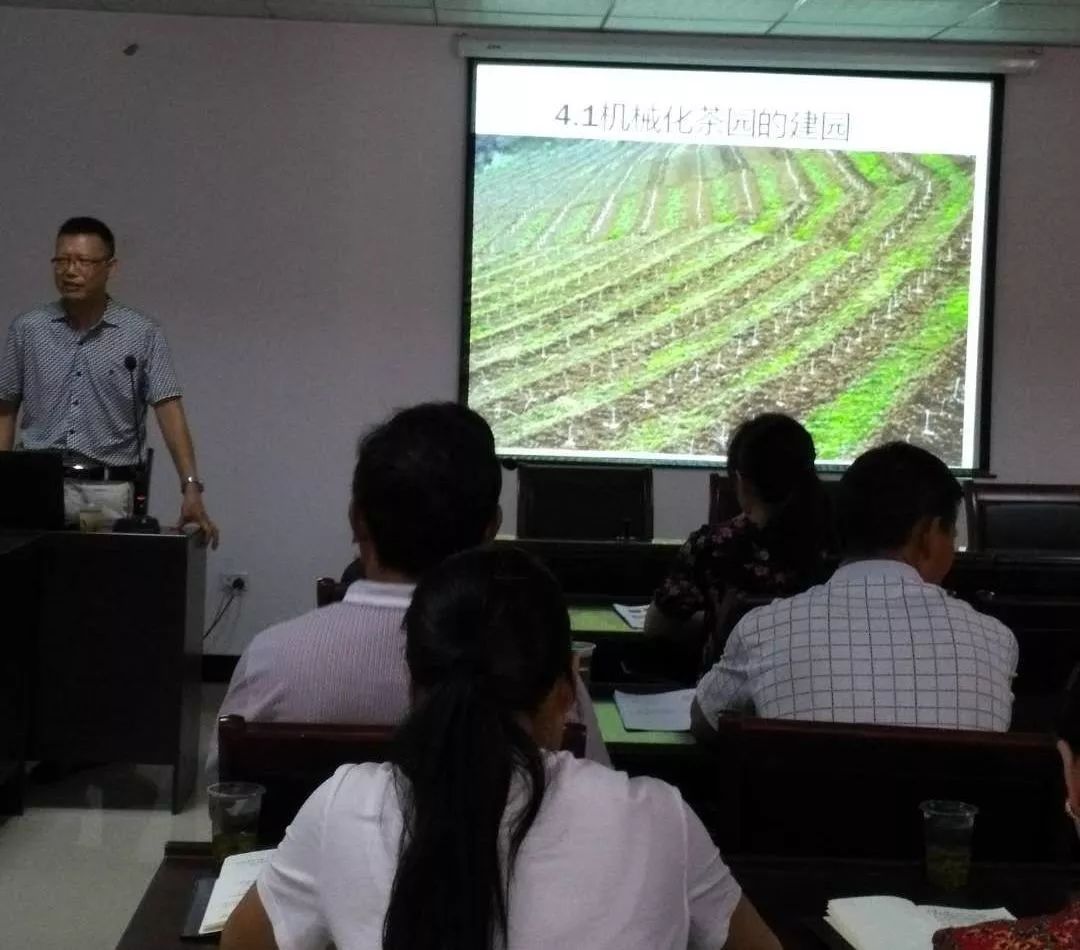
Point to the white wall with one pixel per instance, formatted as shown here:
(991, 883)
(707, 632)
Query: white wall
(289, 202)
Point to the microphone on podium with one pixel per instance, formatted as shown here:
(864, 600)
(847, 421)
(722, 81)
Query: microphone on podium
(139, 522)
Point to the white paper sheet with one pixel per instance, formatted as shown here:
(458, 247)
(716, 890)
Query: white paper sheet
(634, 615)
(661, 712)
(238, 873)
(963, 916)
(892, 923)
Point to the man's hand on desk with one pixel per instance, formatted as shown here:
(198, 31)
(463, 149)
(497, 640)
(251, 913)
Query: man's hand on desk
(193, 511)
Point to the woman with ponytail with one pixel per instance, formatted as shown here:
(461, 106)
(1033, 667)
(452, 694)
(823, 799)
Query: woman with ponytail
(774, 547)
(479, 836)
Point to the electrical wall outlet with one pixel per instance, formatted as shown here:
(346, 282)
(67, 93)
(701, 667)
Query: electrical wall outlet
(235, 582)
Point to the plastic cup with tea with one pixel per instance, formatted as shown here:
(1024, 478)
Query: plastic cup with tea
(948, 828)
(583, 653)
(234, 817)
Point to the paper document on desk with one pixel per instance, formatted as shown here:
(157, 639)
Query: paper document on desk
(634, 615)
(655, 712)
(892, 923)
(238, 873)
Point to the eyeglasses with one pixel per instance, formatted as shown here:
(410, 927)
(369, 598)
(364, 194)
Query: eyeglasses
(78, 263)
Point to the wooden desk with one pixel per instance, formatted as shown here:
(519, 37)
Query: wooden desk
(790, 891)
(623, 742)
(115, 659)
(786, 891)
(600, 622)
(20, 574)
(160, 916)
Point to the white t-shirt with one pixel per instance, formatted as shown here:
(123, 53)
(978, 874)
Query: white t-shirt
(610, 862)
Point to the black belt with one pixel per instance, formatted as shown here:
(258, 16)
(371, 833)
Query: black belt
(101, 473)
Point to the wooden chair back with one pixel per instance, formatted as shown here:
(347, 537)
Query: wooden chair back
(721, 618)
(585, 502)
(329, 591)
(854, 791)
(1047, 630)
(1004, 517)
(291, 760)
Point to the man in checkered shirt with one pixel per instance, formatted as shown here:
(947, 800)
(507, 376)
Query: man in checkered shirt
(881, 642)
(64, 366)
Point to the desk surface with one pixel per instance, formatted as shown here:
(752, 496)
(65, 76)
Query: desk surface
(618, 738)
(159, 918)
(600, 619)
(790, 891)
(786, 891)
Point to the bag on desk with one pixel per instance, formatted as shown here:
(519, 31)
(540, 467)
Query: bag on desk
(115, 500)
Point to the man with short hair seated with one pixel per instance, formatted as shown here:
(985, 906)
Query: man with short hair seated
(426, 485)
(881, 642)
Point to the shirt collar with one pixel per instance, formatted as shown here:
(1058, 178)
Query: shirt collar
(883, 567)
(379, 594)
(112, 316)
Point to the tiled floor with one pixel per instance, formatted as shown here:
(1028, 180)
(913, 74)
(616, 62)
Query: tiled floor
(74, 867)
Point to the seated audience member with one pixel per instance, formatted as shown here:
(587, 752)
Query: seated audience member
(1060, 931)
(426, 485)
(774, 547)
(481, 834)
(881, 642)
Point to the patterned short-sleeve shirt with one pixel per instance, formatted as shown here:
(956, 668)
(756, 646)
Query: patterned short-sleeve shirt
(876, 644)
(72, 386)
(719, 557)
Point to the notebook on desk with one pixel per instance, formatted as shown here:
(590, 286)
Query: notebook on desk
(893, 923)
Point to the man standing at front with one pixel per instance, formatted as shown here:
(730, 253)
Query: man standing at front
(65, 365)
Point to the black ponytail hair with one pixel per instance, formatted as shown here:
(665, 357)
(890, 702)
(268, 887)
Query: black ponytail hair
(487, 637)
(776, 455)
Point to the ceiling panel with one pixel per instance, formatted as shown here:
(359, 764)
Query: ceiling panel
(855, 30)
(927, 13)
(671, 25)
(594, 8)
(966, 34)
(1026, 16)
(246, 8)
(542, 21)
(1052, 22)
(721, 10)
(351, 11)
(54, 4)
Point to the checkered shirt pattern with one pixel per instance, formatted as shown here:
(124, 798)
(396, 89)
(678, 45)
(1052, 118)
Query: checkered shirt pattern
(72, 386)
(876, 644)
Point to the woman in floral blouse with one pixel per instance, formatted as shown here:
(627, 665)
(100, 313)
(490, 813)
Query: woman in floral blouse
(774, 547)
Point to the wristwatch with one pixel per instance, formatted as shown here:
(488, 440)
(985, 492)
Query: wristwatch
(191, 480)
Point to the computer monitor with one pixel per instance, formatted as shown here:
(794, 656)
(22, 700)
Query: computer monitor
(31, 491)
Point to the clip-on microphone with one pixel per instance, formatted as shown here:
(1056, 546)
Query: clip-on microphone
(139, 522)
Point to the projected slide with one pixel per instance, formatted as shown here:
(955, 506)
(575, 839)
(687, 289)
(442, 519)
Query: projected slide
(647, 271)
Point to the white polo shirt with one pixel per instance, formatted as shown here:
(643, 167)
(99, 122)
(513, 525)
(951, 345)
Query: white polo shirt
(611, 863)
(876, 644)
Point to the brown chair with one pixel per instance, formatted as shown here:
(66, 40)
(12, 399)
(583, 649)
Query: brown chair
(1047, 631)
(329, 591)
(840, 790)
(723, 505)
(721, 618)
(585, 502)
(1009, 517)
(291, 760)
